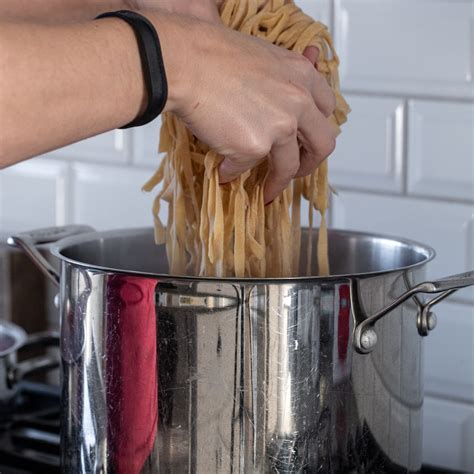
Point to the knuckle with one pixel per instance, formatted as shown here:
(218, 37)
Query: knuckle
(300, 96)
(287, 127)
(257, 147)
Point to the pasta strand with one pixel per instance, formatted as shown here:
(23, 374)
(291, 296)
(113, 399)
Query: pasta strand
(226, 230)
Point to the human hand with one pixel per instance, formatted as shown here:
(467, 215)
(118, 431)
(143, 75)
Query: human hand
(250, 100)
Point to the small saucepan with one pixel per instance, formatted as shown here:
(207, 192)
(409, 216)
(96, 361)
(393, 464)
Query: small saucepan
(14, 339)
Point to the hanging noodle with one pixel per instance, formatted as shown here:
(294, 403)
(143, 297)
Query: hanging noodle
(225, 230)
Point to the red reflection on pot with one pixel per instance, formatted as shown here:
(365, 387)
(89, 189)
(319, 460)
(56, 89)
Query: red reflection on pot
(132, 387)
(343, 322)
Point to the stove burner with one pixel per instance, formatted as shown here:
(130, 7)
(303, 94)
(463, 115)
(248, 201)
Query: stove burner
(29, 438)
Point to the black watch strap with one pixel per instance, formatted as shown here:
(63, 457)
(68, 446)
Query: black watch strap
(152, 64)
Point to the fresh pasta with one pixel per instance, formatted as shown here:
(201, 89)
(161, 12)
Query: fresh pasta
(226, 230)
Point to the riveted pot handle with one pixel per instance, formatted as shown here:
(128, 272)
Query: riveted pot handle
(454, 282)
(28, 241)
(365, 336)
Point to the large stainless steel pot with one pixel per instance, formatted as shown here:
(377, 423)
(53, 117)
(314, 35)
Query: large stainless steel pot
(173, 374)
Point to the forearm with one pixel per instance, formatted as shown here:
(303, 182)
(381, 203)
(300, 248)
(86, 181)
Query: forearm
(60, 84)
(57, 11)
(64, 11)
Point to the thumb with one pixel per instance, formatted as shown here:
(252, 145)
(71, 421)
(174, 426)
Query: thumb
(312, 53)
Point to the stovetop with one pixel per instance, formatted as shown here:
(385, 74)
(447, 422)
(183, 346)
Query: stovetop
(29, 436)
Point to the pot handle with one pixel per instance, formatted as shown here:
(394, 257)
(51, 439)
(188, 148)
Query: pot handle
(365, 336)
(28, 241)
(19, 370)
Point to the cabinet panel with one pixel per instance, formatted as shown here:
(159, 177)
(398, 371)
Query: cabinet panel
(397, 46)
(441, 149)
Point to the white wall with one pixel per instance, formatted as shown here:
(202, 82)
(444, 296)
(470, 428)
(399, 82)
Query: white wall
(404, 165)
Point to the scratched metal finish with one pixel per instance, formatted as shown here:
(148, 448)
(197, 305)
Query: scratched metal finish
(167, 375)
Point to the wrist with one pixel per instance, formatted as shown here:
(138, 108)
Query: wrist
(129, 78)
(177, 46)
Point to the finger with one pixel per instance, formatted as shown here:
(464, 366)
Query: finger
(317, 138)
(312, 53)
(232, 168)
(317, 85)
(284, 163)
(323, 94)
(305, 76)
(308, 163)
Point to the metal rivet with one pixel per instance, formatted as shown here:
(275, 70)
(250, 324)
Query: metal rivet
(432, 320)
(368, 339)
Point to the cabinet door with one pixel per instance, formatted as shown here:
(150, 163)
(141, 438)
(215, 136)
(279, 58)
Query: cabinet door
(396, 46)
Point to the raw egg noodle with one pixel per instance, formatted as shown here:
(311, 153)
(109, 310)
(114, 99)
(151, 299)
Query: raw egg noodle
(226, 230)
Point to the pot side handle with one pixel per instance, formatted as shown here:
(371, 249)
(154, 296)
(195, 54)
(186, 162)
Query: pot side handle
(365, 336)
(28, 241)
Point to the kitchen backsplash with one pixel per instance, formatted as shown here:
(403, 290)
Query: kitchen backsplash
(404, 165)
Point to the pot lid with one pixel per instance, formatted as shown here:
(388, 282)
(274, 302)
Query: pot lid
(11, 338)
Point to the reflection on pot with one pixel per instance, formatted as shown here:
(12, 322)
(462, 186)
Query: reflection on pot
(245, 377)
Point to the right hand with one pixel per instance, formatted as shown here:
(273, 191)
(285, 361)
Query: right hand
(250, 100)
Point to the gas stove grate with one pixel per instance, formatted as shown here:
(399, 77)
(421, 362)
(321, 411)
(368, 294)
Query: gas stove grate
(29, 436)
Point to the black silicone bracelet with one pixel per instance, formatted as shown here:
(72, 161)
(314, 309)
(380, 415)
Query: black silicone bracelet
(152, 64)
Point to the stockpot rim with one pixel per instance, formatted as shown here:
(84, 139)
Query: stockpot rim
(57, 247)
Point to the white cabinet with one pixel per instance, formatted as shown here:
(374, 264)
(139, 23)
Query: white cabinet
(449, 353)
(448, 435)
(441, 149)
(406, 46)
(112, 147)
(145, 144)
(33, 194)
(318, 9)
(369, 151)
(107, 197)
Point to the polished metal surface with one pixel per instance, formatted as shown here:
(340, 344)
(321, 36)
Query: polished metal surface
(365, 337)
(157, 380)
(166, 374)
(19, 370)
(134, 250)
(29, 240)
(12, 340)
